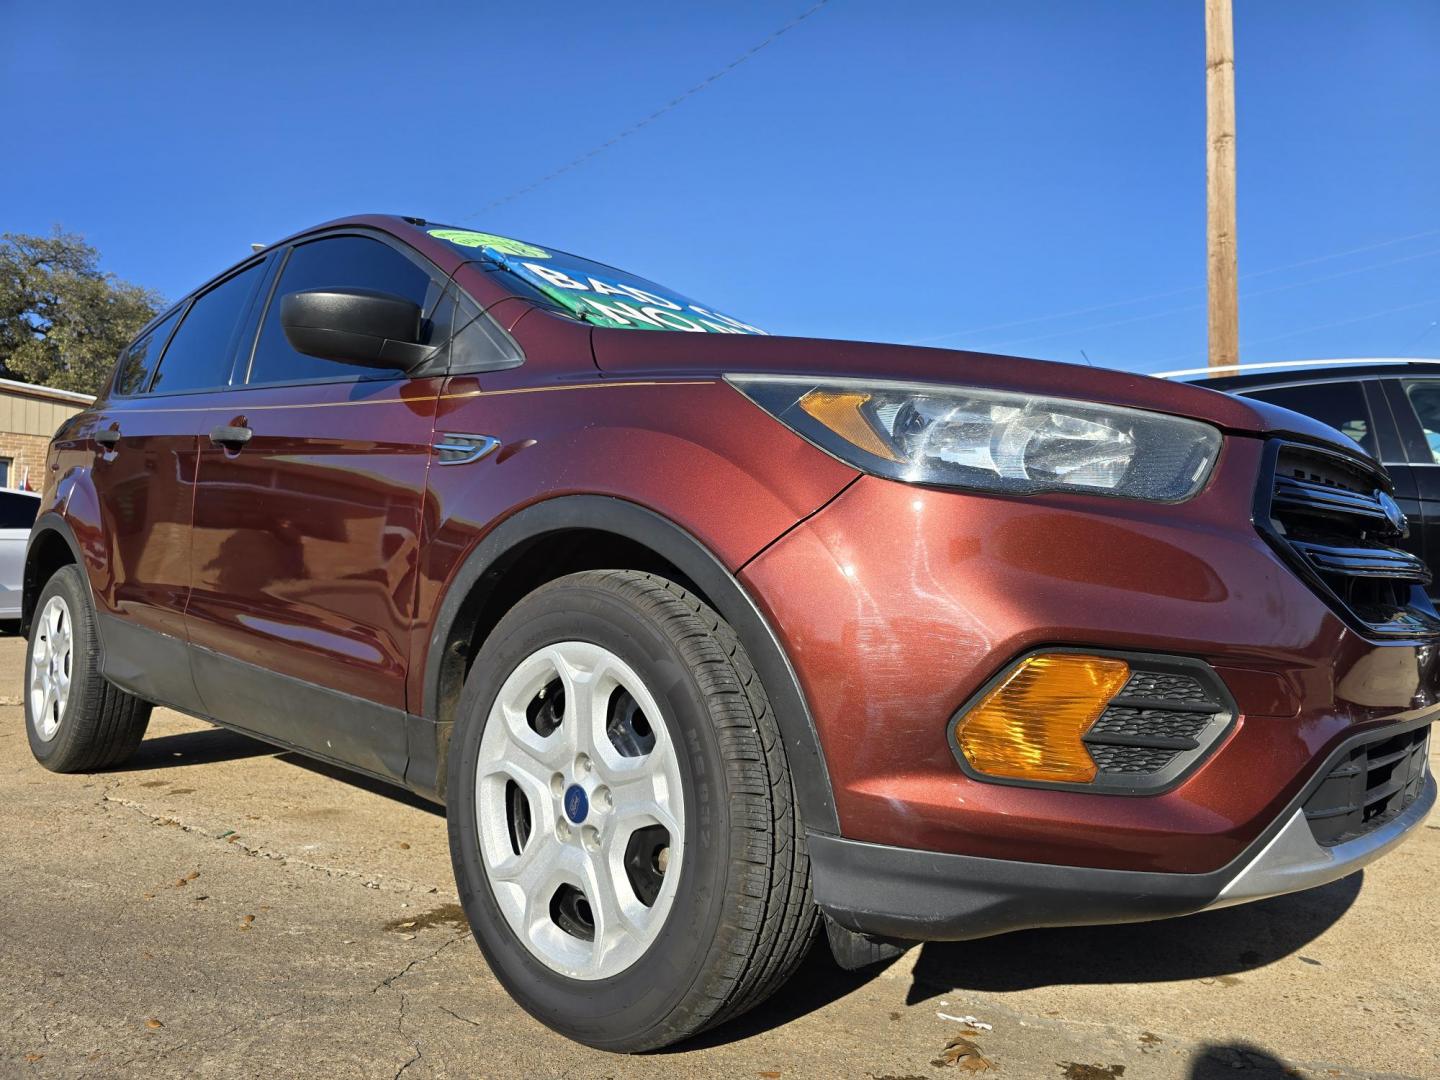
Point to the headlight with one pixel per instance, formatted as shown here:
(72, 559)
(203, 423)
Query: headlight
(992, 440)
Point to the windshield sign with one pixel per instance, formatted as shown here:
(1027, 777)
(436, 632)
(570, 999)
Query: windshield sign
(592, 291)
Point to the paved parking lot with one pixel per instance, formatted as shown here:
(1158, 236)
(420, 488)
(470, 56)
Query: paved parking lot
(218, 909)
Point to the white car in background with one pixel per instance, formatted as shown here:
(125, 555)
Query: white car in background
(17, 515)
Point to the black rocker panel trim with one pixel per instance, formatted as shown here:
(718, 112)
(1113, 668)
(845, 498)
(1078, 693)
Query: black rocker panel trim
(149, 664)
(336, 726)
(313, 720)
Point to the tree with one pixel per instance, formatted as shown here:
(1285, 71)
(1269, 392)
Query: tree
(63, 320)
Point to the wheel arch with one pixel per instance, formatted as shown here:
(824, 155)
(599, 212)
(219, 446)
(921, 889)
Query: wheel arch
(52, 545)
(476, 598)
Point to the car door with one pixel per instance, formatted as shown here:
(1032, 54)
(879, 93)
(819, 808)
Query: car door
(145, 437)
(305, 538)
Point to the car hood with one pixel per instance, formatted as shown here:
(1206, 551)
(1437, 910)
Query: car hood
(653, 353)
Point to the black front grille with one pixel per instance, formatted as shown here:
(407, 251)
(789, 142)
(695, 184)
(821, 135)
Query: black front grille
(1373, 784)
(1333, 517)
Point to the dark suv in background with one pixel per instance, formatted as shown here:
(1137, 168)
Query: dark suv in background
(1391, 408)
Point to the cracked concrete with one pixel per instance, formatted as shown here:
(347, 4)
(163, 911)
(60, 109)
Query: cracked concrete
(215, 909)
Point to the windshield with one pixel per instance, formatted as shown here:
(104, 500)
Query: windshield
(592, 291)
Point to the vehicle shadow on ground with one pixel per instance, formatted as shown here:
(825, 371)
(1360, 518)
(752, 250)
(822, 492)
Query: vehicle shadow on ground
(208, 747)
(364, 783)
(214, 745)
(1220, 945)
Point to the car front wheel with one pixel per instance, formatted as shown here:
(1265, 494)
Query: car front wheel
(621, 816)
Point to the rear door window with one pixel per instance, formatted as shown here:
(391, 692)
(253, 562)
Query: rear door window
(200, 355)
(355, 262)
(138, 361)
(1342, 405)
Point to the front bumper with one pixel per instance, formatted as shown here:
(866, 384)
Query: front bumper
(897, 604)
(913, 895)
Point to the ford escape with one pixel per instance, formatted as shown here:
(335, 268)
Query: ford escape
(706, 638)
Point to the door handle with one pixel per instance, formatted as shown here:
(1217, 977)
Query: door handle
(108, 437)
(230, 436)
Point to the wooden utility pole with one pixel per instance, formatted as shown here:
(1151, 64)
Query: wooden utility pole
(1220, 184)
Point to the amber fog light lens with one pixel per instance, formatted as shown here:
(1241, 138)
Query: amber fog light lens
(841, 413)
(1029, 727)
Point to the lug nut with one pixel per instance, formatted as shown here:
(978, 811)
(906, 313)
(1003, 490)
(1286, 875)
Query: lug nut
(557, 785)
(582, 764)
(601, 799)
(590, 837)
(562, 831)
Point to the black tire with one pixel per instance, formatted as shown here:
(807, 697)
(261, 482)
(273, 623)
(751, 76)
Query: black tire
(742, 916)
(100, 725)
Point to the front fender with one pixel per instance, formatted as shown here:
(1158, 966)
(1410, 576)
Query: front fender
(679, 548)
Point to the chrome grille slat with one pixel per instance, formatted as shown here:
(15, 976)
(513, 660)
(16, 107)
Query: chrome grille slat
(1365, 561)
(1308, 495)
(1333, 518)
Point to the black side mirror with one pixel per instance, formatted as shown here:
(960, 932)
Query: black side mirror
(355, 326)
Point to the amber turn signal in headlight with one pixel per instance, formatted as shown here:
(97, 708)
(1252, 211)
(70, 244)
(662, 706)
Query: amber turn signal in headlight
(1030, 726)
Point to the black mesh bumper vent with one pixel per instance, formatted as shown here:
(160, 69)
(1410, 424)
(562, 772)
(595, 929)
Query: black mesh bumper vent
(1372, 785)
(1161, 723)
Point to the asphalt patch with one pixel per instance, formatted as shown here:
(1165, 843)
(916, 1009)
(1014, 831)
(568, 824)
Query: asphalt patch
(452, 915)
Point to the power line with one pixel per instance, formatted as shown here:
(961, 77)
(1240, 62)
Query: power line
(1311, 329)
(576, 162)
(1172, 292)
(1420, 336)
(1247, 296)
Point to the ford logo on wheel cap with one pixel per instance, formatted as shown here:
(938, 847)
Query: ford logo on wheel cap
(1399, 523)
(577, 804)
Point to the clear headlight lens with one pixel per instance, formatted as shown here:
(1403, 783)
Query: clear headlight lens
(992, 440)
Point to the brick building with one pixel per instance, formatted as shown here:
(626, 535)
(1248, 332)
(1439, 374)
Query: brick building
(29, 415)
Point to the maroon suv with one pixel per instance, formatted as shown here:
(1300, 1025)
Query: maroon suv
(702, 635)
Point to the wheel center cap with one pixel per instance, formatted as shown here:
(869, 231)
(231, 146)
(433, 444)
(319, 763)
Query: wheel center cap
(577, 804)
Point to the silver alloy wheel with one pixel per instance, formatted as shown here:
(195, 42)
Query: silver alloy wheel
(50, 667)
(579, 809)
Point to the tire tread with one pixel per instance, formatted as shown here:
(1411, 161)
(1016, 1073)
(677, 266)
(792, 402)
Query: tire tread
(760, 948)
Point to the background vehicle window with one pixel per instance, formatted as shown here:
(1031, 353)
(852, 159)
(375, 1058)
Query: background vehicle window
(1339, 404)
(138, 361)
(1425, 400)
(354, 262)
(17, 511)
(198, 356)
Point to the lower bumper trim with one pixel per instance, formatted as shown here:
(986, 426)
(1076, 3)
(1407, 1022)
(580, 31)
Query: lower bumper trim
(917, 895)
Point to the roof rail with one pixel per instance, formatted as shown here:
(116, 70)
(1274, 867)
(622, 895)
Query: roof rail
(1241, 369)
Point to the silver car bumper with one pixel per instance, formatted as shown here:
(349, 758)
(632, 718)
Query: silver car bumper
(1292, 860)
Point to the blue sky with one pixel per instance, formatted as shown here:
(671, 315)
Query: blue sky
(1025, 177)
